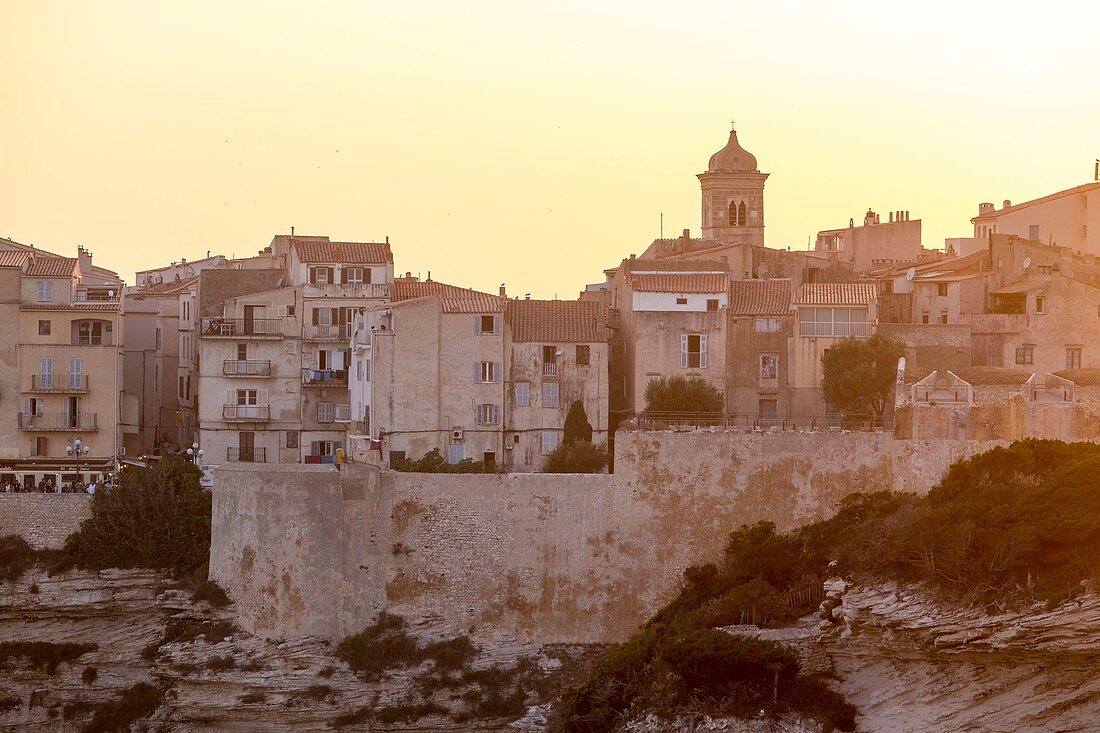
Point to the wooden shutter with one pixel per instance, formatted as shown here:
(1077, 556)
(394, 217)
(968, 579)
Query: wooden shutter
(497, 372)
(343, 276)
(477, 372)
(683, 351)
(496, 324)
(496, 414)
(313, 275)
(703, 351)
(477, 324)
(366, 274)
(316, 316)
(331, 274)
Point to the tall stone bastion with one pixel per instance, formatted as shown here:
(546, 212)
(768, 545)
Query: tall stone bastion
(546, 558)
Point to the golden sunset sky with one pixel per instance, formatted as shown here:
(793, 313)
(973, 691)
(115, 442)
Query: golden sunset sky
(528, 143)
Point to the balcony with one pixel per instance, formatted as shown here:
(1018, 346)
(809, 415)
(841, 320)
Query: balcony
(77, 421)
(246, 455)
(346, 290)
(271, 328)
(549, 369)
(246, 368)
(59, 383)
(324, 378)
(246, 413)
(329, 332)
(834, 329)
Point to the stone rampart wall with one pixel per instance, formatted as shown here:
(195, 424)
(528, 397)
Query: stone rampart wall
(539, 557)
(43, 520)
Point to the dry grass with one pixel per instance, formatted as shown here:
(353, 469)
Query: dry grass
(989, 375)
(1081, 377)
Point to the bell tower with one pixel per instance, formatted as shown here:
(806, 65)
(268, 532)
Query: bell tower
(733, 195)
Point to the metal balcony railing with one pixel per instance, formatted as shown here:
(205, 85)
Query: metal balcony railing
(243, 327)
(59, 383)
(246, 455)
(246, 412)
(246, 368)
(941, 393)
(59, 421)
(345, 290)
(549, 369)
(327, 332)
(325, 377)
(834, 329)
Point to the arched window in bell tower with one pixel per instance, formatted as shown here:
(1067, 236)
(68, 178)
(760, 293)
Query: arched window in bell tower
(742, 216)
(733, 214)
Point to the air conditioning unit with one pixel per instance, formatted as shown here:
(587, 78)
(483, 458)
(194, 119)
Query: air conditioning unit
(456, 434)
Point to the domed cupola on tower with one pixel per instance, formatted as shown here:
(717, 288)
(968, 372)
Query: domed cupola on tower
(733, 195)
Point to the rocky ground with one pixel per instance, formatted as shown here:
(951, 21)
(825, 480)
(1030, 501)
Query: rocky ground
(907, 661)
(225, 680)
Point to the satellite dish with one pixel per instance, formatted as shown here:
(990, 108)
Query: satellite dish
(1027, 262)
(910, 274)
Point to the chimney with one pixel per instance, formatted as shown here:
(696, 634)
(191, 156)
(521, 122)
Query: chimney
(1007, 204)
(292, 231)
(503, 294)
(892, 217)
(85, 258)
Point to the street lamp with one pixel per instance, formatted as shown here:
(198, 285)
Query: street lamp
(76, 448)
(196, 453)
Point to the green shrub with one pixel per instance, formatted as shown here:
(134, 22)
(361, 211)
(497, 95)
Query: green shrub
(577, 427)
(381, 646)
(682, 394)
(576, 457)
(434, 462)
(17, 557)
(43, 654)
(451, 654)
(136, 703)
(156, 517)
(755, 602)
(181, 631)
(713, 663)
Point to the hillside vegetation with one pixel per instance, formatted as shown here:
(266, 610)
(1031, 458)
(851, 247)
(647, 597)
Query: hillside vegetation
(1007, 528)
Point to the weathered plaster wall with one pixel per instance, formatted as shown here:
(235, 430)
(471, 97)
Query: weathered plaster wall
(43, 520)
(548, 558)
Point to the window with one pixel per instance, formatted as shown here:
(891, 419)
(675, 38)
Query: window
(487, 324)
(76, 372)
(766, 325)
(733, 213)
(924, 317)
(354, 275)
(1040, 304)
(769, 366)
(242, 352)
(322, 448)
(187, 310)
(180, 391)
(1044, 269)
(693, 351)
(89, 333)
(1025, 355)
(44, 328)
(488, 414)
(39, 446)
(523, 393)
(1033, 232)
(320, 275)
(943, 317)
(322, 316)
(32, 406)
(941, 289)
(550, 440)
(681, 301)
(1073, 357)
(359, 370)
(292, 439)
(584, 353)
(549, 360)
(487, 372)
(290, 310)
(45, 291)
(834, 322)
(550, 394)
(45, 372)
(742, 217)
(712, 304)
(158, 340)
(397, 457)
(326, 412)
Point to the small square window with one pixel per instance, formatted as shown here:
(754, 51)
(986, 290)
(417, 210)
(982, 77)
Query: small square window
(681, 301)
(487, 324)
(44, 328)
(397, 457)
(1025, 355)
(941, 289)
(712, 304)
(290, 310)
(292, 439)
(1040, 304)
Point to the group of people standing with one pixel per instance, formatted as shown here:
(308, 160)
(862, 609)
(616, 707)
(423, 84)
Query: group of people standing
(46, 485)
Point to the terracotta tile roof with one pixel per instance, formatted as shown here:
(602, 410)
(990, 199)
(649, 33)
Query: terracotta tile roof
(760, 297)
(316, 250)
(72, 307)
(453, 298)
(680, 282)
(835, 294)
(52, 267)
(556, 321)
(12, 258)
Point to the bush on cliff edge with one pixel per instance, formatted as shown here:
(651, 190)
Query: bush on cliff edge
(156, 517)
